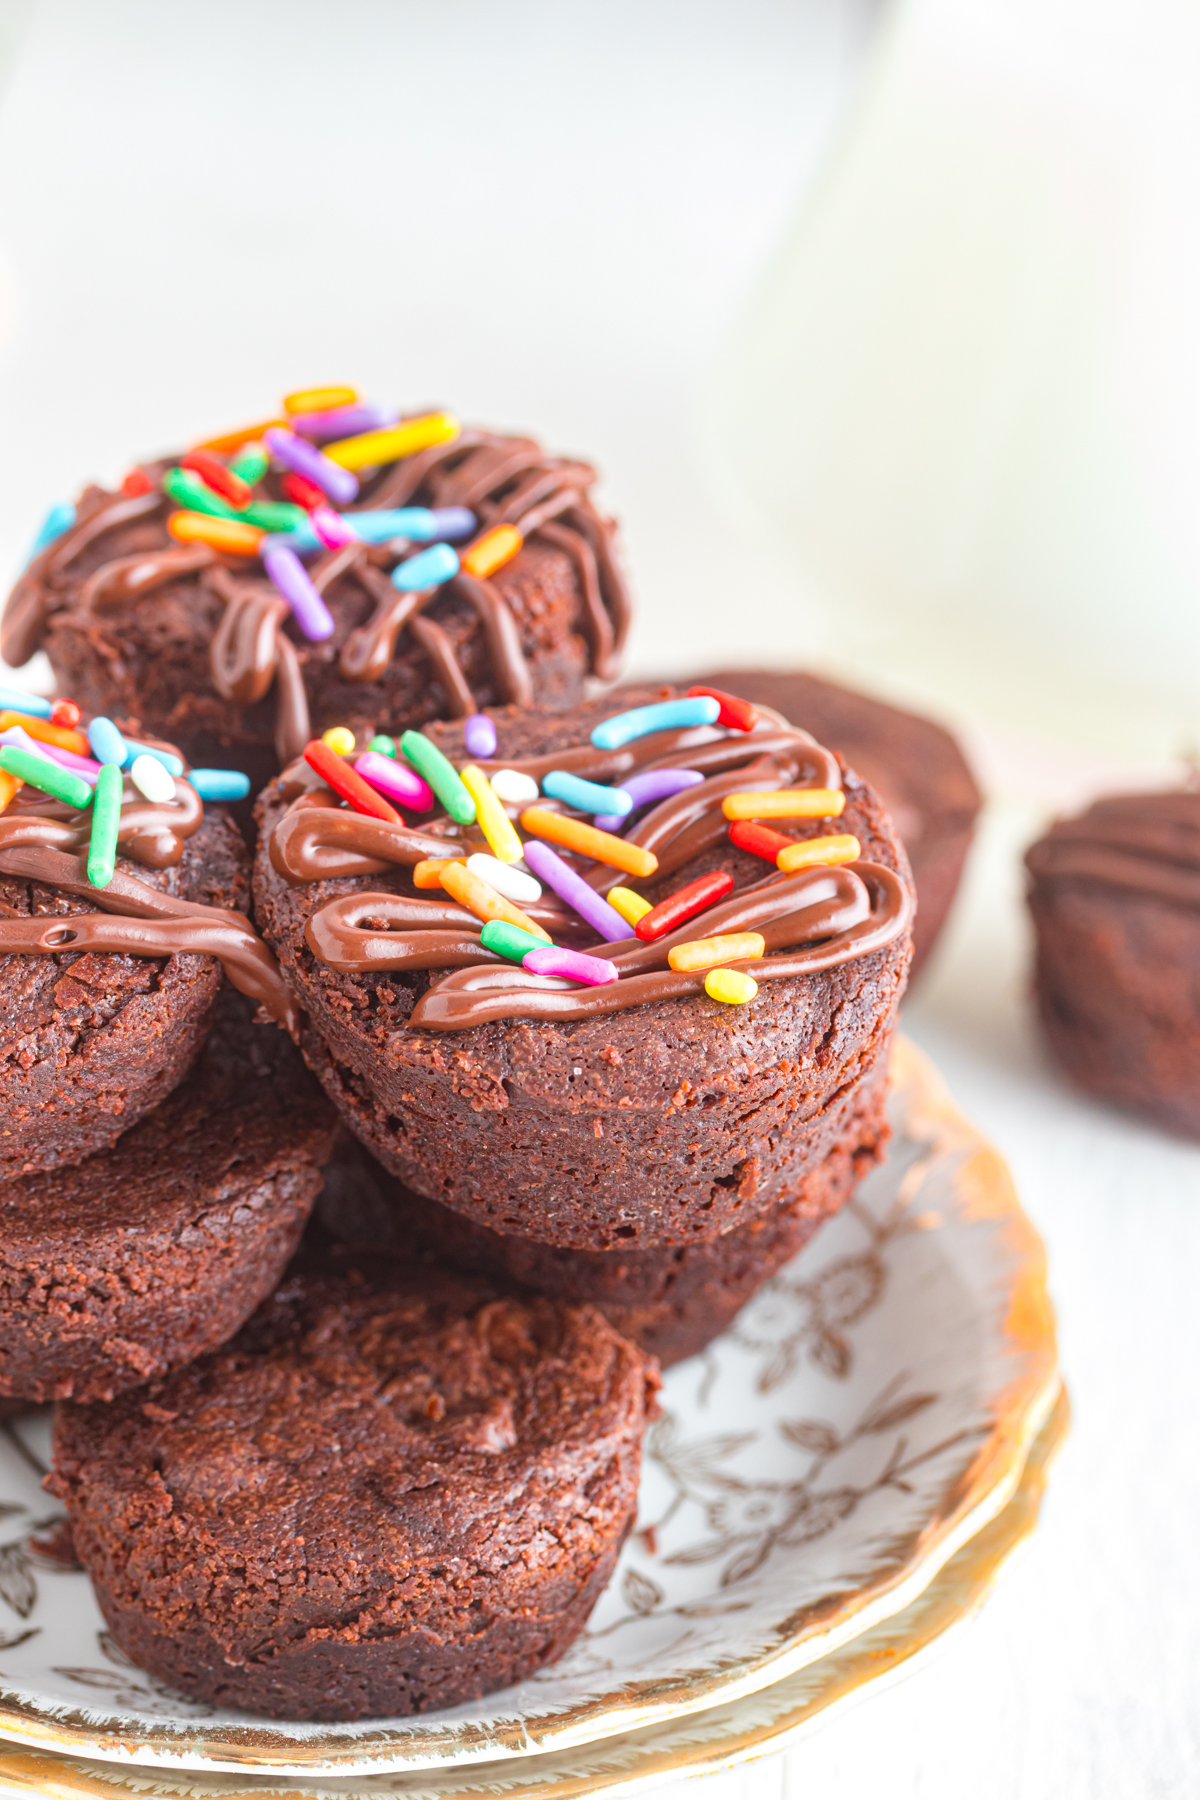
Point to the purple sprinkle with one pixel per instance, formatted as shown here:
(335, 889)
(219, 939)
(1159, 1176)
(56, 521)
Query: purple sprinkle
(655, 784)
(289, 575)
(296, 453)
(19, 738)
(572, 888)
(395, 779)
(453, 523)
(595, 970)
(479, 735)
(343, 422)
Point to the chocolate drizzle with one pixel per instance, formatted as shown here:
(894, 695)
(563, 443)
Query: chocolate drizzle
(813, 919)
(1147, 844)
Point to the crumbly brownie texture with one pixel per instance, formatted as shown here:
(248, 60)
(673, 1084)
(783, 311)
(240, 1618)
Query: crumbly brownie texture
(915, 766)
(1115, 899)
(662, 1123)
(90, 1041)
(396, 1490)
(142, 644)
(670, 1301)
(155, 1250)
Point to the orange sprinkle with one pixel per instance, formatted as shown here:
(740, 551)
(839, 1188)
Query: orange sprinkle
(231, 535)
(786, 803)
(308, 400)
(481, 899)
(492, 550)
(711, 952)
(428, 874)
(572, 834)
(233, 440)
(8, 787)
(818, 850)
(42, 729)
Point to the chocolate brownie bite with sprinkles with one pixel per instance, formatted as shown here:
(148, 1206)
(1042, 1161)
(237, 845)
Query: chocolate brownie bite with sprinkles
(662, 1044)
(396, 1490)
(334, 566)
(123, 895)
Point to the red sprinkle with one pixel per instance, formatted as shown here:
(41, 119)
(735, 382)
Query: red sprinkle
(683, 904)
(302, 492)
(214, 474)
(342, 779)
(735, 714)
(136, 482)
(760, 840)
(65, 712)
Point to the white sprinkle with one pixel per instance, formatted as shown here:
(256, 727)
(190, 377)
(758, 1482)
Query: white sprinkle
(151, 779)
(511, 785)
(514, 884)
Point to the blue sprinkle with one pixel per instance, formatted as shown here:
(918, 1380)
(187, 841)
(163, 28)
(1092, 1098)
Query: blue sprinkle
(17, 700)
(220, 784)
(586, 796)
(429, 568)
(380, 524)
(665, 715)
(108, 746)
(171, 763)
(60, 518)
(303, 541)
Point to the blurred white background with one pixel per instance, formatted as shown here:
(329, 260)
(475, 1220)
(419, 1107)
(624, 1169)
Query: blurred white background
(882, 326)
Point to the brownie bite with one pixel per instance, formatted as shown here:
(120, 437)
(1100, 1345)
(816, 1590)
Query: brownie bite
(670, 1300)
(915, 766)
(1115, 900)
(202, 643)
(639, 1113)
(157, 1249)
(394, 1491)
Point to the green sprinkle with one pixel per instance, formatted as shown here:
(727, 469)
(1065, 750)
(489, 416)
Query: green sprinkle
(187, 489)
(106, 822)
(59, 783)
(251, 463)
(510, 940)
(386, 746)
(273, 515)
(441, 775)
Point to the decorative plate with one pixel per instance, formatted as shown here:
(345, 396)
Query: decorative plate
(812, 1472)
(634, 1761)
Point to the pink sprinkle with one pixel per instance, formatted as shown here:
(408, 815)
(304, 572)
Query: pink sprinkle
(334, 531)
(395, 779)
(596, 971)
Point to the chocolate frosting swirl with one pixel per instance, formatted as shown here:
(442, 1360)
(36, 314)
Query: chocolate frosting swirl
(813, 919)
(1145, 844)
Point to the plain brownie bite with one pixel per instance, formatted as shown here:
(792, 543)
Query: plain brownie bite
(915, 766)
(624, 1100)
(1115, 900)
(333, 566)
(157, 1249)
(108, 976)
(397, 1489)
(670, 1300)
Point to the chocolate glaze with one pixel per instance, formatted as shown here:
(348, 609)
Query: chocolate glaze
(813, 919)
(1140, 843)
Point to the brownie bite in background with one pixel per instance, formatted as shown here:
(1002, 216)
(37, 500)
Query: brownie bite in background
(174, 601)
(915, 766)
(1115, 899)
(397, 1489)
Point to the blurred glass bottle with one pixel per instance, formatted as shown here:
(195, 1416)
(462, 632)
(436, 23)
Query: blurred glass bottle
(965, 402)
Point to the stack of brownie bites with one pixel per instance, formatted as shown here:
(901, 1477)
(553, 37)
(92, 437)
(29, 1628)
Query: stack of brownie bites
(579, 1008)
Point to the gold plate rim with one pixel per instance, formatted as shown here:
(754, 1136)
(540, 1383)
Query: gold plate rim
(975, 1497)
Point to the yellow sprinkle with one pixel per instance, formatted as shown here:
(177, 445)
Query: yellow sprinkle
(483, 900)
(428, 874)
(730, 986)
(339, 739)
(603, 846)
(319, 399)
(389, 446)
(786, 803)
(708, 953)
(492, 550)
(631, 906)
(808, 851)
(491, 817)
